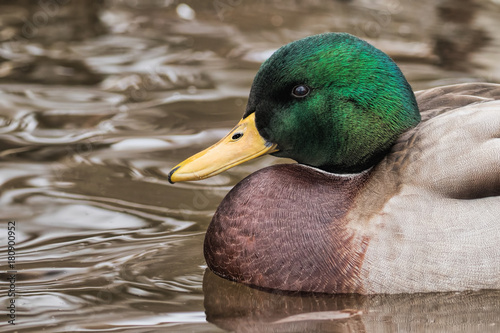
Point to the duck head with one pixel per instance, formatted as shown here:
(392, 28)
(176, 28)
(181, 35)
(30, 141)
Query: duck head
(331, 101)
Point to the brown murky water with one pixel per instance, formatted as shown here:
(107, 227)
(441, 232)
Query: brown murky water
(98, 100)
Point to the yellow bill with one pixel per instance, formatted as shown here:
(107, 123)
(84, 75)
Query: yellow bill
(242, 144)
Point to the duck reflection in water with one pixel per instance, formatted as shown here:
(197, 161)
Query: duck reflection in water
(238, 308)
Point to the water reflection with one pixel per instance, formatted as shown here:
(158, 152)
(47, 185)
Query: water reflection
(98, 100)
(458, 37)
(238, 308)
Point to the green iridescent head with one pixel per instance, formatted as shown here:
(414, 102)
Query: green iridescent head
(332, 101)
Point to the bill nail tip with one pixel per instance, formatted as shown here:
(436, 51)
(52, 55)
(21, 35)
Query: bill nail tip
(171, 173)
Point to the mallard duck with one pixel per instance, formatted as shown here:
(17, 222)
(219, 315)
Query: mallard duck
(392, 192)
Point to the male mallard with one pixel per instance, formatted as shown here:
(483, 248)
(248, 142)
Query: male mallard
(381, 201)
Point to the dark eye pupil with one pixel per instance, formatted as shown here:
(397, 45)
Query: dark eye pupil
(300, 91)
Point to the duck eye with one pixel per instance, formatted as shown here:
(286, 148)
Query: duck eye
(236, 136)
(300, 91)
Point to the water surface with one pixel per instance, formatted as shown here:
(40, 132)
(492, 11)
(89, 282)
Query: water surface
(99, 101)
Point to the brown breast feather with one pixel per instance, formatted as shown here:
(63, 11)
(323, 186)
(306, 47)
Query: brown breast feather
(283, 227)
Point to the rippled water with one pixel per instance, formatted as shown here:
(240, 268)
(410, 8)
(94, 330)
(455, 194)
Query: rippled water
(98, 102)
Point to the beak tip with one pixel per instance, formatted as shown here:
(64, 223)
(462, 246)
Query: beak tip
(171, 173)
